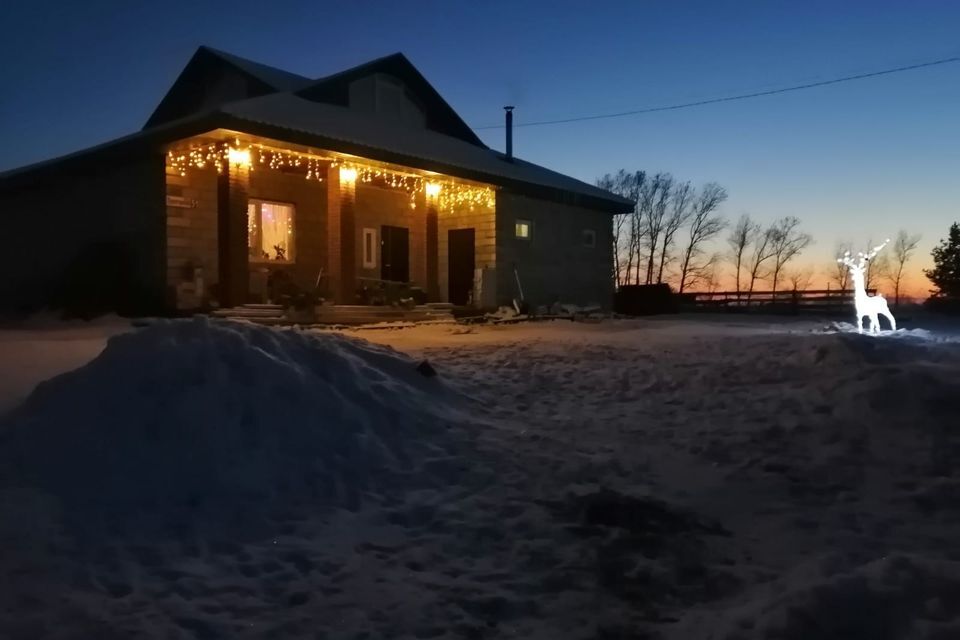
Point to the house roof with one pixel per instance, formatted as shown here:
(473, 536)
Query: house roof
(344, 129)
(291, 108)
(279, 79)
(212, 77)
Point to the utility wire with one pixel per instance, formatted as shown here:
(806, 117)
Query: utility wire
(743, 96)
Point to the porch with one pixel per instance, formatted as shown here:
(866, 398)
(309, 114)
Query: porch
(254, 221)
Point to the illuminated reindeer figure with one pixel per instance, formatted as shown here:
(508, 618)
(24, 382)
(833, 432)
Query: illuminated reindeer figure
(870, 306)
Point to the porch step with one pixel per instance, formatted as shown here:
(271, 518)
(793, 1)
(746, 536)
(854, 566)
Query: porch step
(340, 314)
(357, 314)
(252, 311)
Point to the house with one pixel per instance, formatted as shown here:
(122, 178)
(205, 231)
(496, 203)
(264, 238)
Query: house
(246, 175)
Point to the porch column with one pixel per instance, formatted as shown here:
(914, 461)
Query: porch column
(433, 251)
(341, 234)
(233, 262)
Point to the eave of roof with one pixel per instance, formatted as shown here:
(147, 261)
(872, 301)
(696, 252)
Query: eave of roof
(153, 138)
(288, 118)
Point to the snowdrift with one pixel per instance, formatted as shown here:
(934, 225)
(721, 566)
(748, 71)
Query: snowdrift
(213, 415)
(898, 596)
(904, 376)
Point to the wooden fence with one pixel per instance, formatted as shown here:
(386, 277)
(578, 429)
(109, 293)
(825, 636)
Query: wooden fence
(812, 300)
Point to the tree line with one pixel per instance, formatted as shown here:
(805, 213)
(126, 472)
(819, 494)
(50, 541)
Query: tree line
(670, 235)
(667, 232)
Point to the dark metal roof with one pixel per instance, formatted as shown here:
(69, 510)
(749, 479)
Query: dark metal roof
(293, 114)
(346, 130)
(198, 88)
(279, 79)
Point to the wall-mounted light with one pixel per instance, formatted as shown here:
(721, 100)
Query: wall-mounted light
(348, 174)
(432, 189)
(239, 156)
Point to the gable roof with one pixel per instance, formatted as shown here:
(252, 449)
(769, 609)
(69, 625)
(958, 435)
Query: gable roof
(206, 66)
(278, 79)
(335, 89)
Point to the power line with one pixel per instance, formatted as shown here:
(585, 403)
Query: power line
(743, 96)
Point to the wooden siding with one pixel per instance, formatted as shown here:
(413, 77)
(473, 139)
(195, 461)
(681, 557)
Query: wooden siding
(554, 265)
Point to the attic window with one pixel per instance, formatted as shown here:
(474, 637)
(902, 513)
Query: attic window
(388, 97)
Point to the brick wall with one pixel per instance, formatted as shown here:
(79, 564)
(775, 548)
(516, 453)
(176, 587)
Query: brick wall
(192, 236)
(192, 231)
(553, 265)
(378, 206)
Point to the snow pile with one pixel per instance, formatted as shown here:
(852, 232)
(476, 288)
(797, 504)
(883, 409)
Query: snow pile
(898, 596)
(196, 412)
(907, 376)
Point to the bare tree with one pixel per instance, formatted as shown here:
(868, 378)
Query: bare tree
(786, 243)
(613, 184)
(654, 196)
(800, 279)
(742, 234)
(876, 268)
(705, 224)
(680, 212)
(903, 247)
(628, 228)
(759, 257)
(712, 274)
(619, 221)
(839, 272)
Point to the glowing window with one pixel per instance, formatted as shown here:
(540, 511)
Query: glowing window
(270, 231)
(589, 238)
(369, 248)
(523, 228)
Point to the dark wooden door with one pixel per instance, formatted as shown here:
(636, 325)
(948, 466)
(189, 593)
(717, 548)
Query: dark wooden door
(460, 264)
(395, 253)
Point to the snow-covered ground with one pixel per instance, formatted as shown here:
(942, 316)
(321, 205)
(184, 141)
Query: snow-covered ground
(672, 477)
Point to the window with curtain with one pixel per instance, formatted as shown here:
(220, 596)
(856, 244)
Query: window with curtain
(270, 231)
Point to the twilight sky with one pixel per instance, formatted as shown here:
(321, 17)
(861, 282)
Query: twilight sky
(853, 161)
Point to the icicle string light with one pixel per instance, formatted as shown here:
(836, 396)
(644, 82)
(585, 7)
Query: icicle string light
(448, 193)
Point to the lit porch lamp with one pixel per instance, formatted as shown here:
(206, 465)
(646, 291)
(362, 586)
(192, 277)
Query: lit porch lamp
(239, 157)
(348, 175)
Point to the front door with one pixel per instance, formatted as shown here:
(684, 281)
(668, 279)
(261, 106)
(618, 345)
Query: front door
(460, 261)
(395, 253)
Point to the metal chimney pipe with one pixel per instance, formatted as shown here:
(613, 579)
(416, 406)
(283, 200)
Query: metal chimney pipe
(509, 116)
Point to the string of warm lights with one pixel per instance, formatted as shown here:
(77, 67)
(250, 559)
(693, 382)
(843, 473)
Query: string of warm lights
(447, 193)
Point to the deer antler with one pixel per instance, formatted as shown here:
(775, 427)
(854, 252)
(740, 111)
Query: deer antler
(862, 258)
(876, 250)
